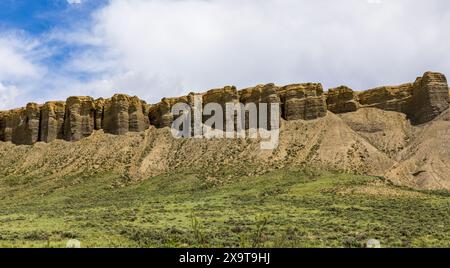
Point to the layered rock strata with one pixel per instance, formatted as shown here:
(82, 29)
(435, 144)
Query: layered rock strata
(421, 101)
(78, 117)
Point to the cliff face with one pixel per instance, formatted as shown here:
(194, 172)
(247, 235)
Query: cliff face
(342, 100)
(78, 117)
(421, 101)
(52, 121)
(21, 126)
(123, 114)
(429, 98)
(303, 101)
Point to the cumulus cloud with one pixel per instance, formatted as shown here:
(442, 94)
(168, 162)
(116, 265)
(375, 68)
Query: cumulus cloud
(16, 58)
(19, 69)
(158, 48)
(8, 94)
(74, 2)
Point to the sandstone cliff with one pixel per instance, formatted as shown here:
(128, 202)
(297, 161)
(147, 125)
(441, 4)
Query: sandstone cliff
(421, 101)
(302, 101)
(78, 117)
(52, 121)
(342, 100)
(123, 114)
(399, 132)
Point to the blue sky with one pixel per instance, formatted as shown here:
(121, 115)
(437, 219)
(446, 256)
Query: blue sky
(40, 16)
(53, 49)
(36, 19)
(27, 29)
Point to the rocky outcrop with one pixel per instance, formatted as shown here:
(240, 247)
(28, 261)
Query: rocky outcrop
(421, 101)
(228, 94)
(260, 94)
(389, 98)
(221, 96)
(52, 121)
(21, 126)
(7, 124)
(342, 100)
(2, 126)
(160, 114)
(302, 101)
(123, 114)
(99, 105)
(138, 115)
(79, 118)
(429, 98)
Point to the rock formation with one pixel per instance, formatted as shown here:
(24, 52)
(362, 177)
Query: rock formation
(2, 126)
(52, 121)
(259, 94)
(99, 105)
(21, 126)
(342, 100)
(221, 96)
(389, 98)
(421, 101)
(302, 101)
(160, 115)
(429, 98)
(78, 117)
(123, 114)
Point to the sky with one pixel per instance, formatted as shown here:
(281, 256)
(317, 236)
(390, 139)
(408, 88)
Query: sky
(52, 49)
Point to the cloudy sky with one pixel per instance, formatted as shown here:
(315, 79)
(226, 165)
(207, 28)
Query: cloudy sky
(51, 49)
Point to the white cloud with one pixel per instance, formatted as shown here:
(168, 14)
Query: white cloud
(8, 95)
(16, 58)
(19, 69)
(157, 48)
(375, 2)
(74, 2)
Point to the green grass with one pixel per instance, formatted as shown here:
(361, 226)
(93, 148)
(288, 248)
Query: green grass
(283, 208)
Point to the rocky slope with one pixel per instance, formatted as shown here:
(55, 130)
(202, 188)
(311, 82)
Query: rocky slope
(399, 132)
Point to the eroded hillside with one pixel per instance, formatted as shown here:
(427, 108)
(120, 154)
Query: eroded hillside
(397, 132)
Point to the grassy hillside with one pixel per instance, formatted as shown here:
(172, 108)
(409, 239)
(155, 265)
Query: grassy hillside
(284, 208)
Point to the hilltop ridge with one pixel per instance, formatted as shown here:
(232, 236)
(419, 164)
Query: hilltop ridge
(78, 117)
(400, 133)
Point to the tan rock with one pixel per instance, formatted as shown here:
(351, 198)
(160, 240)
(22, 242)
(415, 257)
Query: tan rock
(302, 101)
(221, 96)
(160, 114)
(98, 115)
(260, 94)
(422, 100)
(146, 110)
(138, 115)
(342, 100)
(430, 98)
(2, 125)
(123, 114)
(12, 120)
(21, 126)
(116, 118)
(79, 119)
(389, 98)
(52, 121)
(228, 94)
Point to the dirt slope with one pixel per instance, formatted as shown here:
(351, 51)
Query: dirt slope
(425, 162)
(369, 141)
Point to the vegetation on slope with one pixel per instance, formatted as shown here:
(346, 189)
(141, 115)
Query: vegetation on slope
(282, 208)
